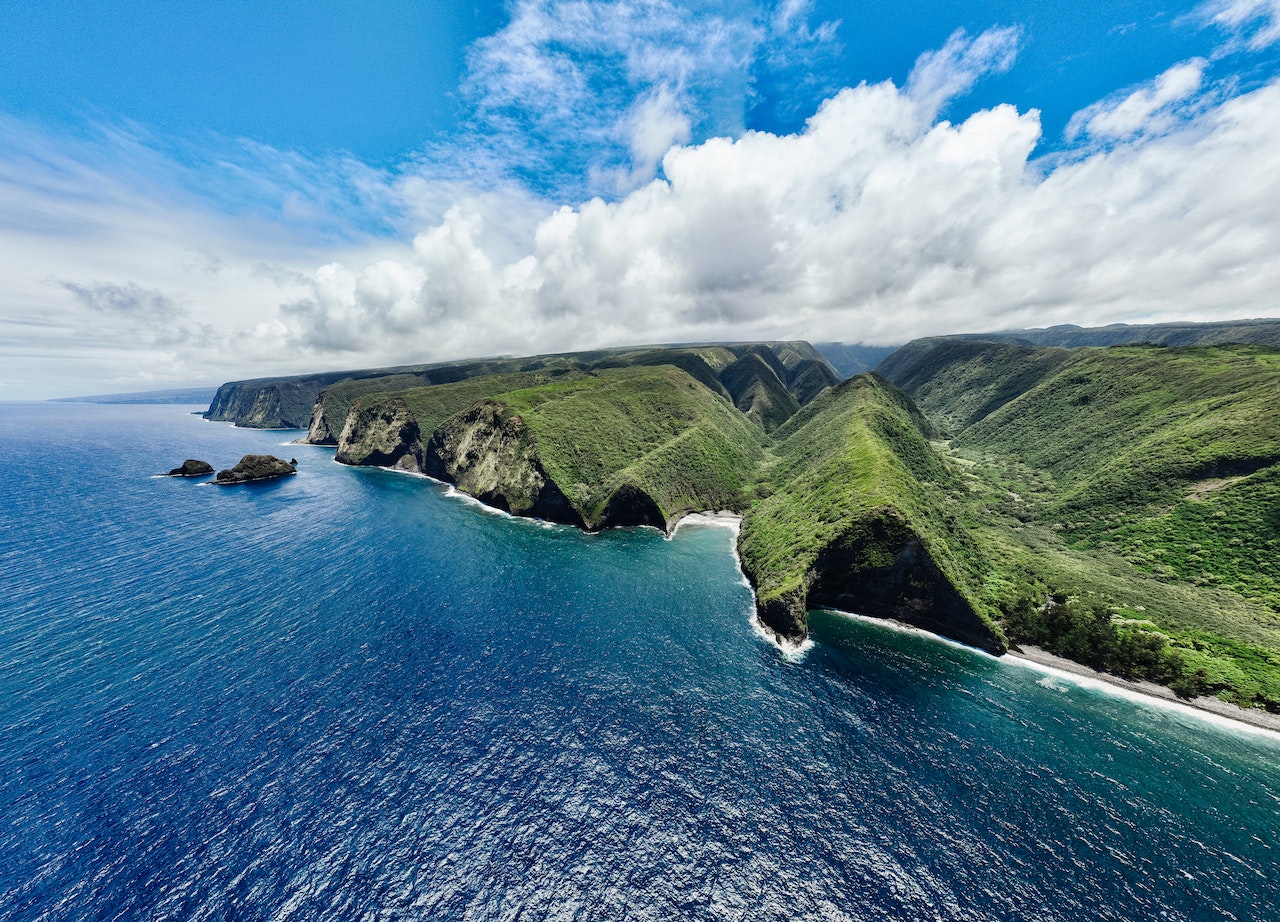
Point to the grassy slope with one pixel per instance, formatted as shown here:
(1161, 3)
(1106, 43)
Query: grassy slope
(653, 427)
(1126, 429)
(978, 377)
(704, 363)
(1076, 474)
(757, 391)
(856, 452)
(1090, 485)
(432, 406)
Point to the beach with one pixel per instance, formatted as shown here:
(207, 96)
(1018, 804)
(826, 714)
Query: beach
(1254, 717)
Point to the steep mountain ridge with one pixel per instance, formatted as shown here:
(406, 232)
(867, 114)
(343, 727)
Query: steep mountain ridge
(320, 402)
(858, 516)
(1116, 505)
(1128, 495)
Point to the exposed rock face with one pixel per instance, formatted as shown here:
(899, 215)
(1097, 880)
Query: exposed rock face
(884, 571)
(383, 434)
(256, 467)
(881, 569)
(630, 505)
(786, 615)
(192, 468)
(495, 459)
(280, 403)
(318, 430)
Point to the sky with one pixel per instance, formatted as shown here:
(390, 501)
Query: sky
(195, 192)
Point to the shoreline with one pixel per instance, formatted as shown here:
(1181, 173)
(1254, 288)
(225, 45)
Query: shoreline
(1255, 719)
(1210, 710)
(1214, 709)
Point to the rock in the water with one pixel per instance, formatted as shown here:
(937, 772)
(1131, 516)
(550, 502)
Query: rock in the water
(256, 467)
(192, 468)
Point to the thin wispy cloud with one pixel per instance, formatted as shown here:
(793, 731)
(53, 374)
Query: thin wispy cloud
(950, 72)
(601, 90)
(1252, 24)
(1153, 108)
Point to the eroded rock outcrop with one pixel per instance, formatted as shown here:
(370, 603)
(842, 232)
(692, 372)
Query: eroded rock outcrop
(319, 432)
(880, 567)
(861, 518)
(493, 457)
(255, 468)
(381, 433)
(192, 468)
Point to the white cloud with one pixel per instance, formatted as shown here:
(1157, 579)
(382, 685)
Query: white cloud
(1150, 109)
(1253, 24)
(874, 224)
(601, 90)
(943, 75)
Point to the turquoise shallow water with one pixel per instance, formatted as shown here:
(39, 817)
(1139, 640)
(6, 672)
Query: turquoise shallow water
(348, 695)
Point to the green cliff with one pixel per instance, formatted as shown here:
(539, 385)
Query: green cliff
(618, 446)
(860, 515)
(1113, 505)
(1127, 496)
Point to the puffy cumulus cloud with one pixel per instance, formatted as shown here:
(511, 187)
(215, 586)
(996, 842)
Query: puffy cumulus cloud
(874, 223)
(1150, 109)
(1252, 24)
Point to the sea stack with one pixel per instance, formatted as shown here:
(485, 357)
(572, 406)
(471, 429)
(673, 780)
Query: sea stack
(192, 468)
(256, 467)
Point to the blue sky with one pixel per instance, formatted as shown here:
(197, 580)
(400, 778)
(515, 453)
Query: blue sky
(194, 192)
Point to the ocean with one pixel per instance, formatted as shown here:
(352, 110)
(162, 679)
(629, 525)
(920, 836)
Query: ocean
(353, 694)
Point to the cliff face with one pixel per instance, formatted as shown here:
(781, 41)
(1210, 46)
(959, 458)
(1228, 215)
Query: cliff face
(857, 519)
(882, 569)
(614, 447)
(319, 431)
(495, 459)
(381, 434)
(270, 403)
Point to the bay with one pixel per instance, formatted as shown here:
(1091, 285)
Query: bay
(350, 694)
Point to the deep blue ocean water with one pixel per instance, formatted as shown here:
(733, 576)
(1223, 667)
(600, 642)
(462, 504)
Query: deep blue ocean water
(348, 695)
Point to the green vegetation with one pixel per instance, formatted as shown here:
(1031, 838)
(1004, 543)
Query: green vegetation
(1227, 536)
(758, 392)
(320, 402)
(1127, 499)
(635, 444)
(1125, 430)
(979, 377)
(853, 488)
(655, 429)
(1117, 506)
(433, 406)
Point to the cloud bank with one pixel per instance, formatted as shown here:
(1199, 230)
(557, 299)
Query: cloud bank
(875, 223)
(879, 220)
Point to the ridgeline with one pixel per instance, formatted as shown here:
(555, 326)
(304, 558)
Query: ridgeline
(1114, 505)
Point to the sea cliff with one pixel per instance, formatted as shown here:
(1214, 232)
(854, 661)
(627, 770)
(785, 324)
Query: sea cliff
(1111, 505)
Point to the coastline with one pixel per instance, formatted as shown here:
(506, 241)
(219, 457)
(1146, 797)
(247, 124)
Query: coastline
(1255, 719)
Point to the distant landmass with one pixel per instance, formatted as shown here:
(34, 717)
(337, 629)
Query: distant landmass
(849, 359)
(1111, 503)
(177, 395)
(1262, 332)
